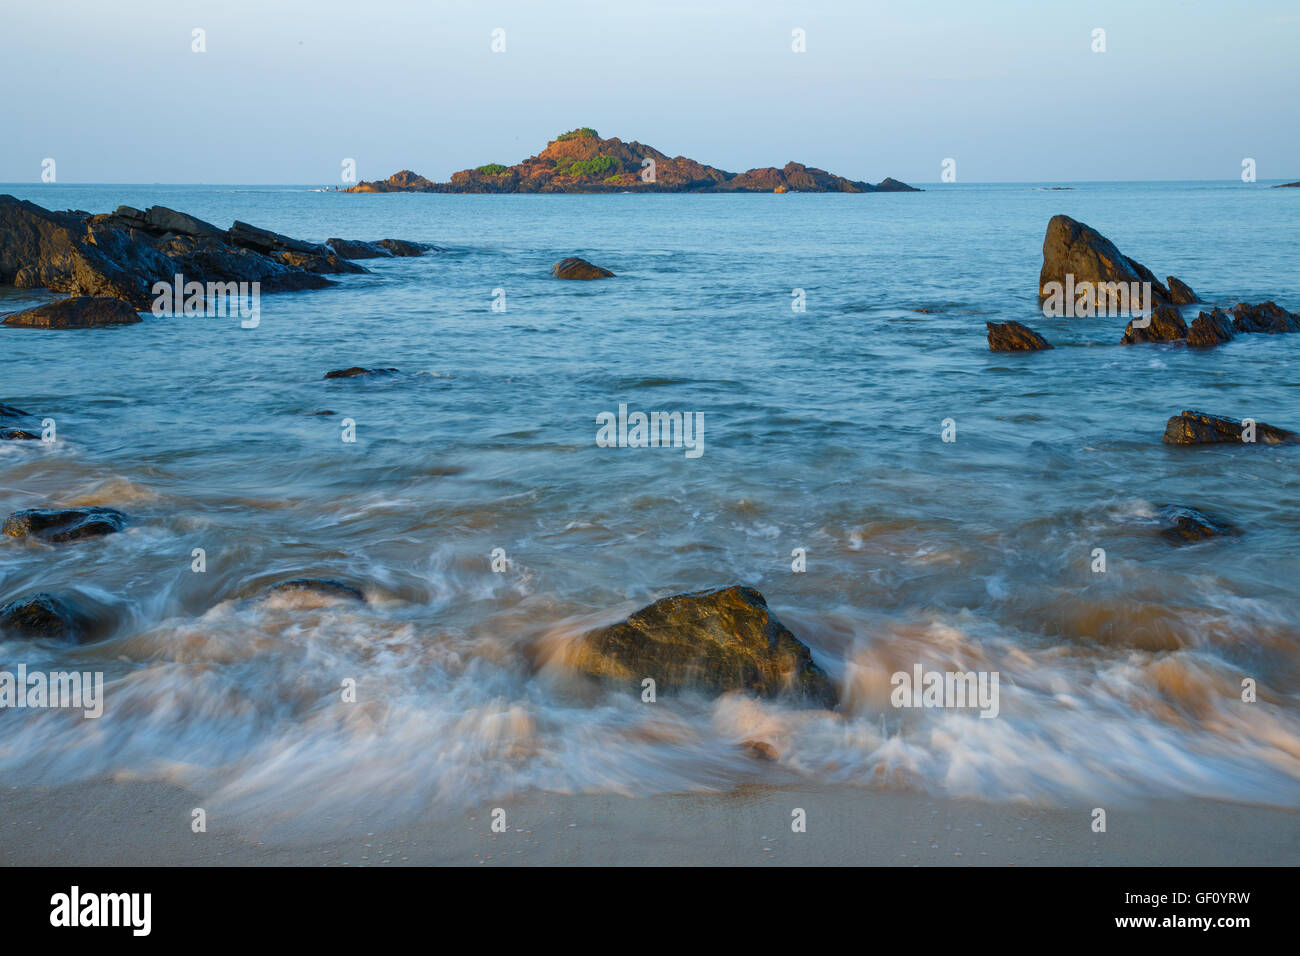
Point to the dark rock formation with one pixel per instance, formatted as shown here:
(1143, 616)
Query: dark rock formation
(44, 615)
(77, 312)
(712, 641)
(71, 524)
(575, 268)
(124, 253)
(322, 587)
(1210, 329)
(1072, 248)
(1180, 293)
(1014, 337)
(357, 370)
(1287, 186)
(1187, 524)
(1163, 325)
(8, 411)
(1201, 428)
(17, 434)
(1267, 317)
(329, 264)
(581, 162)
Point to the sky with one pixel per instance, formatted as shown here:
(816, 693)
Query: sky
(286, 91)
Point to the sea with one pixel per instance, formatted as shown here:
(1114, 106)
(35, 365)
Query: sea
(899, 494)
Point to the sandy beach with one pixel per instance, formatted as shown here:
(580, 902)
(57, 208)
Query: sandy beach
(138, 824)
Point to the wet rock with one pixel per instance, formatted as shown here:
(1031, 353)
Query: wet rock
(1180, 293)
(1165, 325)
(403, 249)
(1210, 329)
(125, 253)
(44, 615)
(8, 411)
(70, 524)
(17, 434)
(1187, 525)
(322, 587)
(1014, 337)
(78, 312)
(330, 264)
(1201, 428)
(1075, 249)
(575, 268)
(356, 249)
(356, 371)
(265, 241)
(761, 750)
(713, 641)
(159, 220)
(1268, 318)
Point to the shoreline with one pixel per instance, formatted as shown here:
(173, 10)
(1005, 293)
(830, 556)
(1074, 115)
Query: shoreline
(138, 823)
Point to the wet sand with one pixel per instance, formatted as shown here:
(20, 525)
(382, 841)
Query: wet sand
(144, 823)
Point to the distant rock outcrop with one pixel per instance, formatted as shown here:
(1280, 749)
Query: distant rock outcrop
(580, 161)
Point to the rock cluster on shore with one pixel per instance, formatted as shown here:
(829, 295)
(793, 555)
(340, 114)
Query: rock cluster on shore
(580, 161)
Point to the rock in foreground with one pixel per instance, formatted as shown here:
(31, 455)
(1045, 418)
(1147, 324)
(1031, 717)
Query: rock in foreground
(1186, 525)
(43, 616)
(71, 524)
(319, 587)
(1014, 337)
(712, 641)
(575, 268)
(1201, 428)
(77, 312)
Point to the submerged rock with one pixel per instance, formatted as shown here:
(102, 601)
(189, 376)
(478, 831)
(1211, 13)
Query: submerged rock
(8, 411)
(1163, 325)
(17, 434)
(713, 641)
(44, 615)
(1201, 428)
(357, 370)
(1210, 329)
(1187, 525)
(322, 587)
(77, 312)
(1014, 337)
(1267, 317)
(575, 268)
(71, 524)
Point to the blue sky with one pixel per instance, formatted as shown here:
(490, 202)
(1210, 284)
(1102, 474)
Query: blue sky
(1011, 90)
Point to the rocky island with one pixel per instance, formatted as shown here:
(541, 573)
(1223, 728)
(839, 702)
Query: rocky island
(580, 161)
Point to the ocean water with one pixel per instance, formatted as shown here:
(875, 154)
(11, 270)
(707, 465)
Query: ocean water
(822, 432)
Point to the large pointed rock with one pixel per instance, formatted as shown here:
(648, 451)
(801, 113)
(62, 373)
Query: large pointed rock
(1072, 248)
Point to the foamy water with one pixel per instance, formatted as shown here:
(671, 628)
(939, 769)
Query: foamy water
(823, 433)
